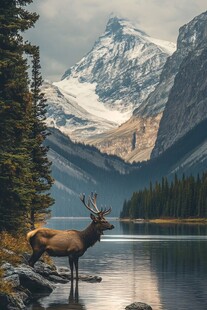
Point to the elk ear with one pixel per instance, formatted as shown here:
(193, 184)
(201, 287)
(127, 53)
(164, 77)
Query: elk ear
(93, 217)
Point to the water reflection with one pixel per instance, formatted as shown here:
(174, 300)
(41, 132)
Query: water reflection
(73, 302)
(167, 229)
(162, 265)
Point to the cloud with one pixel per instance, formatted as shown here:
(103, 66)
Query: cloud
(67, 29)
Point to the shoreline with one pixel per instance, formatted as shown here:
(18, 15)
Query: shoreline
(167, 221)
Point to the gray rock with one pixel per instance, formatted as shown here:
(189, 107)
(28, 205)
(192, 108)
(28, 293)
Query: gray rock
(58, 278)
(33, 281)
(29, 283)
(8, 269)
(64, 272)
(89, 278)
(138, 306)
(45, 269)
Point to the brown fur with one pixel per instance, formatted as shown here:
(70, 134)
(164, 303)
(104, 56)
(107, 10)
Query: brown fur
(71, 243)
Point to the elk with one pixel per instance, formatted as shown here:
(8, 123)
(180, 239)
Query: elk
(71, 243)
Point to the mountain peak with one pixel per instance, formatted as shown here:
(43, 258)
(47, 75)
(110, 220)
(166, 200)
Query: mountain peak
(113, 24)
(120, 25)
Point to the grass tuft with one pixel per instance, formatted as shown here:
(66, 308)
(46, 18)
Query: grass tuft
(12, 248)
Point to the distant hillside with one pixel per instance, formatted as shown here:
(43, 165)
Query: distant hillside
(78, 168)
(81, 169)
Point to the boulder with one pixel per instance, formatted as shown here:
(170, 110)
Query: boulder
(33, 281)
(138, 306)
(29, 283)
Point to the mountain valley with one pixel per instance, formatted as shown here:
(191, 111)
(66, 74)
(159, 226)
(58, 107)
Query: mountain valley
(165, 135)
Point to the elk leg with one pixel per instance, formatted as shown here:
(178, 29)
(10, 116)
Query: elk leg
(71, 297)
(76, 267)
(76, 292)
(34, 257)
(71, 267)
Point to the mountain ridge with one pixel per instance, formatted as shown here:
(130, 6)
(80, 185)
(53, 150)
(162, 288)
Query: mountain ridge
(121, 69)
(190, 35)
(75, 169)
(108, 63)
(187, 104)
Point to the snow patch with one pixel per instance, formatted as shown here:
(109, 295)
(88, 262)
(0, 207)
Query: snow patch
(133, 29)
(89, 100)
(166, 46)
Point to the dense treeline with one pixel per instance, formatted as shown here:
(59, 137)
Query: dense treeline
(24, 168)
(181, 198)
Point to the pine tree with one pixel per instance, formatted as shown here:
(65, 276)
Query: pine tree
(17, 167)
(41, 166)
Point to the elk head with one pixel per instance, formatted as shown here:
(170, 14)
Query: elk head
(97, 215)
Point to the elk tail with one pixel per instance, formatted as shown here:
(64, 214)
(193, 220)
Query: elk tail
(31, 234)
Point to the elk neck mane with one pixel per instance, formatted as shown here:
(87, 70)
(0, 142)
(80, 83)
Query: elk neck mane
(91, 235)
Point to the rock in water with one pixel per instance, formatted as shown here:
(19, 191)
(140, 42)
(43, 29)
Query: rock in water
(138, 306)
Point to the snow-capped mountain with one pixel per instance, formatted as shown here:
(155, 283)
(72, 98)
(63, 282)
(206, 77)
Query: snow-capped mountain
(179, 115)
(124, 64)
(101, 91)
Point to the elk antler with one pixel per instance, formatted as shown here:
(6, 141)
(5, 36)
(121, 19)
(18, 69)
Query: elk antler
(82, 198)
(92, 200)
(105, 211)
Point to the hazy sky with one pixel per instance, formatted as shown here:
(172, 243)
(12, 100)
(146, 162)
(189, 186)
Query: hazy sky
(67, 29)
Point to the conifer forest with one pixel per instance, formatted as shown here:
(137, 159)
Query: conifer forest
(24, 167)
(180, 198)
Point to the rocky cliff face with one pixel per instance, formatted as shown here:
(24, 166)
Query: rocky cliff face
(133, 141)
(187, 103)
(190, 36)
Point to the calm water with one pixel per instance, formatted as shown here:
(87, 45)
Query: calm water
(164, 266)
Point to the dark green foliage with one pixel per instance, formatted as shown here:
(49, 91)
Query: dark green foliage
(41, 171)
(183, 198)
(18, 140)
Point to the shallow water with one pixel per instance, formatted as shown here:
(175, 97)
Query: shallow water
(164, 266)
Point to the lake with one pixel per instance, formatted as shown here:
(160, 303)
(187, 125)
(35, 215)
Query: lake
(163, 265)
